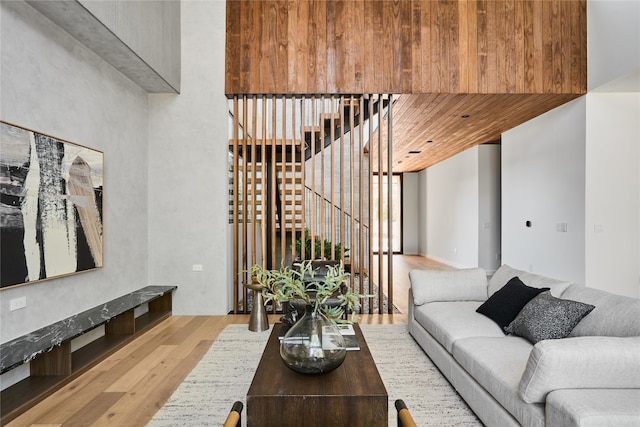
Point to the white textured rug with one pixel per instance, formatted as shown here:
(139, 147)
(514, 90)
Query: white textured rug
(225, 373)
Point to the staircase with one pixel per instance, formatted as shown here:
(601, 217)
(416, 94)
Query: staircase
(301, 163)
(331, 126)
(259, 195)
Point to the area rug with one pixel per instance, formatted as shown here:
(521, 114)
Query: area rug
(226, 371)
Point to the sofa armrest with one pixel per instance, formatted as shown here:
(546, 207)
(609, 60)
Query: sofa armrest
(576, 363)
(593, 407)
(450, 285)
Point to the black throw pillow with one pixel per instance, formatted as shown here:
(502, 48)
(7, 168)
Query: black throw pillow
(505, 304)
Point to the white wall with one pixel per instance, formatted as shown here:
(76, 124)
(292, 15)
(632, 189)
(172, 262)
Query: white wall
(613, 147)
(53, 84)
(613, 34)
(188, 146)
(612, 193)
(543, 164)
(410, 212)
(452, 210)
(458, 209)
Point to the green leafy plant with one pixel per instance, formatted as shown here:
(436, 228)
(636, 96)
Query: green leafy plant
(317, 252)
(287, 284)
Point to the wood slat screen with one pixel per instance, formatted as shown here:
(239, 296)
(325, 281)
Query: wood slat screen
(406, 46)
(298, 167)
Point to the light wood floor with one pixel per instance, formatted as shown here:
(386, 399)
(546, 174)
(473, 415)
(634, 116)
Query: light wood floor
(130, 386)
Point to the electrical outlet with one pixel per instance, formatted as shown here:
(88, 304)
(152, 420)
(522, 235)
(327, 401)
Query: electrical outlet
(17, 303)
(197, 267)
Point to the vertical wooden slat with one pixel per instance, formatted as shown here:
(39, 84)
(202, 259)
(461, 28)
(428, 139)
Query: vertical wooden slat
(254, 180)
(342, 181)
(294, 162)
(303, 109)
(263, 182)
(359, 266)
(245, 201)
(236, 188)
(463, 47)
(547, 47)
(380, 207)
(283, 179)
(472, 44)
(390, 204)
(371, 207)
(332, 134)
(405, 51)
(352, 187)
(313, 178)
(425, 47)
(274, 183)
(322, 192)
(483, 60)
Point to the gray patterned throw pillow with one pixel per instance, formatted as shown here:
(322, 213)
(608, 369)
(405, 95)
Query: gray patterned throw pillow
(546, 317)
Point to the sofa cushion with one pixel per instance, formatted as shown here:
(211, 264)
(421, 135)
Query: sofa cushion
(497, 365)
(505, 273)
(614, 315)
(450, 321)
(593, 407)
(448, 285)
(583, 362)
(546, 317)
(504, 305)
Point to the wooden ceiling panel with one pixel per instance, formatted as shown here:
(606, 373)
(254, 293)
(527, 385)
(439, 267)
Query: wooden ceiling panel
(418, 119)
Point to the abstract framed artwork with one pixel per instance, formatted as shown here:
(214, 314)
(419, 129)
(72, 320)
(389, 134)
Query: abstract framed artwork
(51, 194)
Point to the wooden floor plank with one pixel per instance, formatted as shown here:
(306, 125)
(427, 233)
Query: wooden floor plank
(58, 407)
(137, 409)
(139, 371)
(159, 333)
(93, 410)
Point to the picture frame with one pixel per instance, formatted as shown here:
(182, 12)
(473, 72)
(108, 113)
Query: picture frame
(51, 206)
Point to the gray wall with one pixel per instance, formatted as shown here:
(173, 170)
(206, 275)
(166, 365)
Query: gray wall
(489, 208)
(410, 213)
(139, 38)
(150, 28)
(53, 84)
(188, 149)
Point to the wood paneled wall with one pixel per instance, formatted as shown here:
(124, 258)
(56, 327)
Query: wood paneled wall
(411, 46)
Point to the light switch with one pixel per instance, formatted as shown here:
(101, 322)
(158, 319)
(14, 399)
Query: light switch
(17, 303)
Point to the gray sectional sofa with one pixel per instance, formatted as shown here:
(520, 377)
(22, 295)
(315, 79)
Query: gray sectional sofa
(589, 378)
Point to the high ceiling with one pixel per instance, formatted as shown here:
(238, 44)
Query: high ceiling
(429, 128)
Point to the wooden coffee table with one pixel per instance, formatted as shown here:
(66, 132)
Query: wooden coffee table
(351, 395)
